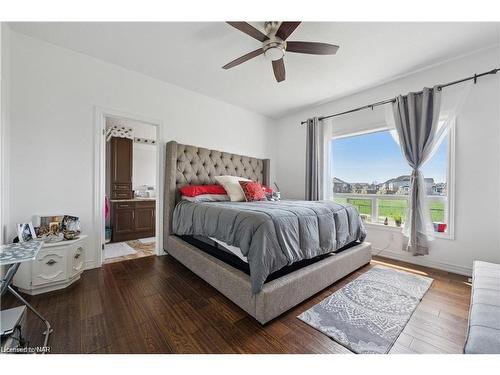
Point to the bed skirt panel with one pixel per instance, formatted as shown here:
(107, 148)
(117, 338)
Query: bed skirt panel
(276, 296)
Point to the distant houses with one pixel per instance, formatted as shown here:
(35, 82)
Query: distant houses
(340, 186)
(398, 185)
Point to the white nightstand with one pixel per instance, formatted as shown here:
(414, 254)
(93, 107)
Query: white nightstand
(56, 266)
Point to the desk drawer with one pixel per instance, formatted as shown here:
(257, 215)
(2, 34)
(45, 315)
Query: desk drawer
(119, 194)
(124, 205)
(49, 267)
(76, 259)
(145, 204)
(122, 187)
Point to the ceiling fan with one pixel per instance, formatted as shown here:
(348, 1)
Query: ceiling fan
(274, 45)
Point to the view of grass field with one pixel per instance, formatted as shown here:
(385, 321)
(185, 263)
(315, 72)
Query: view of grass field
(371, 164)
(391, 208)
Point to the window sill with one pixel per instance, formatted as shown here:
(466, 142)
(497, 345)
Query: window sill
(383, 227)
(389, 228)
(444, 236)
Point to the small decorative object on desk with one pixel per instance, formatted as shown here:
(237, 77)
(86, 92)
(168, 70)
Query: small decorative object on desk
(43, 225)
(386, 221)
(53, 228)
(51, 238)
(71, 223)
(69, 235)
(26, 232)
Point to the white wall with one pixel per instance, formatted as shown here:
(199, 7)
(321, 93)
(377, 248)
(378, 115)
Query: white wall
(2, 109)
(4, 133)
(53, 94)
(144, 165)
(477, 159)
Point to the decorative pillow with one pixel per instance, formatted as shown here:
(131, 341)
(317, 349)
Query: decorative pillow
(195, 190)
(268, 191)
(232, 186)
(253, 191)
(207, 198)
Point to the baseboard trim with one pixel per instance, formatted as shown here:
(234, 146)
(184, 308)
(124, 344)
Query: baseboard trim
(422, 261)
(90, 264)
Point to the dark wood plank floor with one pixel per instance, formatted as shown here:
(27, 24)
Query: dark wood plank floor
(156, 305)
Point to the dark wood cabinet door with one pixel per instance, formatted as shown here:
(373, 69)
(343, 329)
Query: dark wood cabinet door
(123, 221)
(121, 161)
(145, 219)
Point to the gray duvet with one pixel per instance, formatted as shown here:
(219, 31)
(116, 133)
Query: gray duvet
(272, 235)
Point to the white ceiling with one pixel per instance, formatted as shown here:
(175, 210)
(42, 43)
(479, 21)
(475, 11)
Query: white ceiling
(191, 54)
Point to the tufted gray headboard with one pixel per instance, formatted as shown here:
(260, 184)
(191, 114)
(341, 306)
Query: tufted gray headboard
(187, 165)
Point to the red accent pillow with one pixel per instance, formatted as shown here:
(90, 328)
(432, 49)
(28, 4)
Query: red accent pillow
(267, 189)
(253, 191)
(195, 190)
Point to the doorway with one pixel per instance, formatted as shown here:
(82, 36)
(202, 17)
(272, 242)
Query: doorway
(129, 188)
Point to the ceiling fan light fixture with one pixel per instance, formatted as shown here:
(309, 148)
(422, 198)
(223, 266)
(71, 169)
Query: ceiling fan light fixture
(275, 43)
(274, 53)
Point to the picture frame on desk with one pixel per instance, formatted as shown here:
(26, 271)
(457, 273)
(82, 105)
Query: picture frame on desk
(26, 232)
(43, 224)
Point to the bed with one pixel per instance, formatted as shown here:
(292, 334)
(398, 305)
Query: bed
(275, 293)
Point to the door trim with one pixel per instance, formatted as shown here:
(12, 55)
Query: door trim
(101, 114)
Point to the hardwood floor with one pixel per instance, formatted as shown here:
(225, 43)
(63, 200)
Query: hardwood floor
(156, 305)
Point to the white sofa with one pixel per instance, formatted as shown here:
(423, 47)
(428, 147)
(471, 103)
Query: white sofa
(484, 317)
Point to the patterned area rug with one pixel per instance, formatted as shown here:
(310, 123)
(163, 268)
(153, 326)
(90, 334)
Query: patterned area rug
(368, 314)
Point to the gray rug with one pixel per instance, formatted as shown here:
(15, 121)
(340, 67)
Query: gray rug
(368, 314)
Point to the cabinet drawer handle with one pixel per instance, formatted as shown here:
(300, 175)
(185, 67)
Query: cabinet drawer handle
(51, 262)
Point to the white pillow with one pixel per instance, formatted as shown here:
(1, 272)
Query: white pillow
(232, 186)
(207, 198)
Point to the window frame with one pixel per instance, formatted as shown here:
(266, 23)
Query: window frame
(450, 179)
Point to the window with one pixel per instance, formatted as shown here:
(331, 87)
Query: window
(371, 174)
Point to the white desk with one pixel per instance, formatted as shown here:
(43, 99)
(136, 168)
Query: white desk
(13, 255)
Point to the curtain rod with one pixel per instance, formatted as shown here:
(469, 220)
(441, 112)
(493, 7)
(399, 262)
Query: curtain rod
(439, 87)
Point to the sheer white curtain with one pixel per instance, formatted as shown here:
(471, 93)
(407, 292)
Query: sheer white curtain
(451, 102)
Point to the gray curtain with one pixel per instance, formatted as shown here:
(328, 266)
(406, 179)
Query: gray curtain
(313, 160)
(416, 117)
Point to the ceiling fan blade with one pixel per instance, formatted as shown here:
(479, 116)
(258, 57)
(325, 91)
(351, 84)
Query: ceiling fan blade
(249, 30)
(279, 70)
(312, 48)
(286, 29)
(244, 58)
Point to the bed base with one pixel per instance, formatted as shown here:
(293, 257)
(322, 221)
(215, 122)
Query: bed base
(276, 296)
